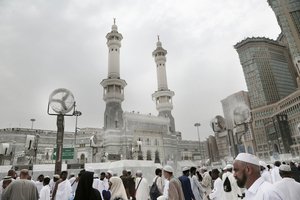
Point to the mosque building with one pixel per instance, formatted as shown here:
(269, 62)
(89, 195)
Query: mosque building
(129, 134)
(125, 135)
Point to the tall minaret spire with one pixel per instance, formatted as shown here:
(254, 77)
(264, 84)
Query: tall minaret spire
(163, 95)
(113, 93)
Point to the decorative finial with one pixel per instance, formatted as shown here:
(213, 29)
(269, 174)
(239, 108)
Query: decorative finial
(114, 21)
(158, 37)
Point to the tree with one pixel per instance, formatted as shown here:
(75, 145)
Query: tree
(156, 159)
(149, 155)
(140, 155)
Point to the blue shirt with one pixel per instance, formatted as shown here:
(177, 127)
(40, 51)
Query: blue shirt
(186, 187)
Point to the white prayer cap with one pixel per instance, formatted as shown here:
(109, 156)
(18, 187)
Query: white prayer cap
(229, 166)
(248, 158)
(168, 168)
(263, 164)
(203, 168)
(96, 175)
(285, 168)
(128, 170)
(7, 178)
(56, 176)
(89, 169)
(161, 198)
(185, 169)
(139, 171)
(110, 172)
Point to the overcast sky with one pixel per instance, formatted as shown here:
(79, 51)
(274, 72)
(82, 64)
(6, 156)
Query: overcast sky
(46, 45)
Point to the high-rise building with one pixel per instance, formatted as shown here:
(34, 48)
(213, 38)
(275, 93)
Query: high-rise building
(288, 16)
(236, 131)
(267, 70)
(230, 103)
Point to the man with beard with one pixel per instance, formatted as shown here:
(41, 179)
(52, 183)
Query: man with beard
(247, 173)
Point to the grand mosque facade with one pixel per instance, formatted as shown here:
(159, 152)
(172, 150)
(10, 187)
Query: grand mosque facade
(125, 135)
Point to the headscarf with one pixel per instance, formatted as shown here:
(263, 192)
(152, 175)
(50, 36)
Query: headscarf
(117, 188)
(85, 188)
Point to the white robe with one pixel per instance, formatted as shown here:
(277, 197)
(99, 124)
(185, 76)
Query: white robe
(206, 184)
(64, 191)
(45, 193)
(142, 189)
(196, 188)
(96, 183)
(39, 185)
(216, 193)
(1, 188)
(235, 190)
(159, 183)
(266, 175)
(101, 187)
(262, 190)
(289, 187)
(275, 174)
(166, 189)
(74, 185)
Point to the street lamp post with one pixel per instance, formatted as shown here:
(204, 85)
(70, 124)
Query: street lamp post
(197, 126)
(77, 114)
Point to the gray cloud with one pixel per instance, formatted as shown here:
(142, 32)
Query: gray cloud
(51, 44)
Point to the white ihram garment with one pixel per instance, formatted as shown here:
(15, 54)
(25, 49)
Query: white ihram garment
(196, 187)
(45, 193)
(289, 187)
(217, 192)
(64, 191)
(275, 174)
(235, 190)
(262, 190)
(142, 189)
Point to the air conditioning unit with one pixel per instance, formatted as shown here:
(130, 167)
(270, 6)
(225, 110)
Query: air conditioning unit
(5, 149)
(30, 139)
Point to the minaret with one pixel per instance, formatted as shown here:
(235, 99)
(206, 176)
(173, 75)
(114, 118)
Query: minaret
(163, 95)
(113, 93)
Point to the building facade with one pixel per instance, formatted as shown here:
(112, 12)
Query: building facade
(266, 65)
(268, 71)
(240, 136)
(37, 146)
(276, 127)
(288, 17)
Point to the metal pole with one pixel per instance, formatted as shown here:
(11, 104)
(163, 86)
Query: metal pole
(77, 114)
(59, 142)
(75, 135)
(197, 126)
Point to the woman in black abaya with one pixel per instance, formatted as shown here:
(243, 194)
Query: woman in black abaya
(85, 190)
